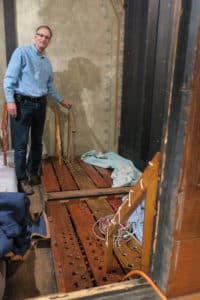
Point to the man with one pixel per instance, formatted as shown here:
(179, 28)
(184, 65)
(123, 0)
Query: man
(27, 82)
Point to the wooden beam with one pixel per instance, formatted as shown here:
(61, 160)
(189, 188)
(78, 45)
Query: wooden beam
(58, 135)
(149, 219)
(4, 128)
(71, 136)
(87, 193)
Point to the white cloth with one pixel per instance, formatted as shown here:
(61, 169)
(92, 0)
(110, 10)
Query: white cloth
(124, 172)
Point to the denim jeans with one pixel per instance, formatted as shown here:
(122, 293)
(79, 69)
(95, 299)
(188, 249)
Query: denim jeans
(29, 121)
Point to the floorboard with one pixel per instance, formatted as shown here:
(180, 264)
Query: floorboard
(75, 260)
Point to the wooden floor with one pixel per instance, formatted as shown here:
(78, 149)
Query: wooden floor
(75, 258)
(77, 244)
(73, 176)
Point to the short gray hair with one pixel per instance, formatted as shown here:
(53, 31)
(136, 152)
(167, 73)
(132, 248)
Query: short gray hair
(47, 27)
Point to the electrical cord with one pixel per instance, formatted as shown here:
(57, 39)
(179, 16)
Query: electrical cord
(148, 279)
(124, 231)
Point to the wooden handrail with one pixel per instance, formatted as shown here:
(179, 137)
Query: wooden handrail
(58, 135)
(71, 136)
(4, 129)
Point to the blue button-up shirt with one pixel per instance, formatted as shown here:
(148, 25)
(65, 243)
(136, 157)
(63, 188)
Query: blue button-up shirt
(29, 74)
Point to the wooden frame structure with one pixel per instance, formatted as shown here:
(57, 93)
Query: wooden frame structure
(58, 135)
(4, 129)
(71, 136)
(146, 186)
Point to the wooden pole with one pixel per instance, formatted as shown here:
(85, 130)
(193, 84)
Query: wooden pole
(71, 136)
(58, 135)
(87, 193)
(4, 128)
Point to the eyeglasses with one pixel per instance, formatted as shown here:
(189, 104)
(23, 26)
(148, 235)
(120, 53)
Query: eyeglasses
(43, 35)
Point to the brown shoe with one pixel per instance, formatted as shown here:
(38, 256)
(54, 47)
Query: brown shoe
(35, 179)
(25, 187)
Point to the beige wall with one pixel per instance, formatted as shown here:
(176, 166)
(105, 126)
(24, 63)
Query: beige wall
(84, 54)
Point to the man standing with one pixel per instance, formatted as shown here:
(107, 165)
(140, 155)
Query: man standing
(27, 82)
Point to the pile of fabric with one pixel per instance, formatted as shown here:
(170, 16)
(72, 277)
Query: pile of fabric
(17, 228)
(124, 172)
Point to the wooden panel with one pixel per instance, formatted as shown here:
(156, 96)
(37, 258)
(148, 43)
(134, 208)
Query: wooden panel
(184, 272)
(115, 203)
(188, 220)
(82, 179)
(94, 174)
(99, 207)
(106, 173)
(65, 178)
(87, 193)
(93, 246)
(185, 268)
(188, 224)
(70, 263)
(49, 180)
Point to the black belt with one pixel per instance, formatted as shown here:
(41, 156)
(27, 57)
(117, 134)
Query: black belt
(22, 98)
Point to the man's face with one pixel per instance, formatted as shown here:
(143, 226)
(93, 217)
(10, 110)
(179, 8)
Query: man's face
(42, 39)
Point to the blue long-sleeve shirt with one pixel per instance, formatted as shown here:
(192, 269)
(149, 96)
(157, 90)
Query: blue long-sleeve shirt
(29, 74)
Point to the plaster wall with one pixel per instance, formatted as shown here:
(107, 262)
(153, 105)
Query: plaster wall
(83, 52)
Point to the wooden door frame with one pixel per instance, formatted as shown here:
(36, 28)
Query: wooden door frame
(174, 147)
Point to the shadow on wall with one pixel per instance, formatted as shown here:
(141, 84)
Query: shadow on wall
(81, 75)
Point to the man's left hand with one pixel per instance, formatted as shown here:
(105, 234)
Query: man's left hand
(66, 104)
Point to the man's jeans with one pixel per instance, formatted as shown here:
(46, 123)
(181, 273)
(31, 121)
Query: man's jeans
(30, 119)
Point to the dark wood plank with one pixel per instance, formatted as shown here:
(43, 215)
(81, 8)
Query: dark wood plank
(184, 277)
(49, 180)
(72, 273)
(96, 177)
(93, 246)
(99, 206)
(115, 203)
(65, 178)
(128, 253)
(82, 179)
(87, 193)
(106, 173)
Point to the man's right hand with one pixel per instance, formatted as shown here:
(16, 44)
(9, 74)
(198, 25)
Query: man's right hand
(12, 109)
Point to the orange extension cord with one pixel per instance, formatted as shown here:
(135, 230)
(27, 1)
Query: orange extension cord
(150, 281)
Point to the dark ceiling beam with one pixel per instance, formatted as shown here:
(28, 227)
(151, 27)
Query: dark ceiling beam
(10, 30)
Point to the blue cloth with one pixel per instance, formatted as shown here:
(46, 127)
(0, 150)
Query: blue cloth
(16, 225)
(137, 220)
(29, 74)
(124, 173)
